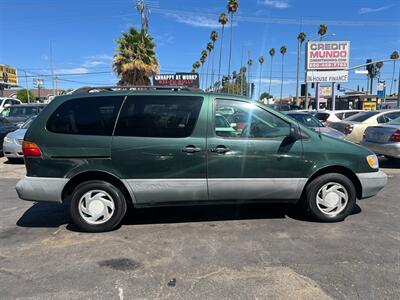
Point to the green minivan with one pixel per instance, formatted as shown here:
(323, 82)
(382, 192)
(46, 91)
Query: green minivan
(101, 149)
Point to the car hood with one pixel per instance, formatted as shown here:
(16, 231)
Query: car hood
(331, 132)
(17, 134)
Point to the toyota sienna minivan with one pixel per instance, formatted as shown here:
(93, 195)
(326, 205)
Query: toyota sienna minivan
(102, 149)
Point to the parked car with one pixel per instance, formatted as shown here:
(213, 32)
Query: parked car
(312, 122)
(5, 127)
(354, 126)
(12, 144)
(18, 114)
(100, 151)
(384, 139)
(328, 117)
(5, 102)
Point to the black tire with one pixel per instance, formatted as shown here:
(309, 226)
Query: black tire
(98, 185)
(310, 199)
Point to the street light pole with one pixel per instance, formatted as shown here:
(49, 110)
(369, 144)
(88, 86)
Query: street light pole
(26, 85)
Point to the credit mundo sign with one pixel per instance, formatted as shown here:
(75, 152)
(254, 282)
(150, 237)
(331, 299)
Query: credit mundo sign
(330, 55)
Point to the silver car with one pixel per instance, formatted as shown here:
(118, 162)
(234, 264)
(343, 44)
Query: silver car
(312, 122)
(384, 139)
(12, 144)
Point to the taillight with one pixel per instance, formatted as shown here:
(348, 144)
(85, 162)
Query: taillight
(395, 136)
(31, 149)
(348, 129)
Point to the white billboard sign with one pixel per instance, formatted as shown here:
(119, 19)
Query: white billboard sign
(330, 55)
(328, 76)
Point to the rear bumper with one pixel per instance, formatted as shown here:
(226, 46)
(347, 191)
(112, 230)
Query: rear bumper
(388, 149)
(372, 183)
(41, 189)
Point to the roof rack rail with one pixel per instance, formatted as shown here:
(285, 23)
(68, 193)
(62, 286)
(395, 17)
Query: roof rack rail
(97, 89)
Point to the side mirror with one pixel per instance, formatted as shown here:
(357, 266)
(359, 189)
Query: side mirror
(6, 105)
(233, 125)
(295, 133)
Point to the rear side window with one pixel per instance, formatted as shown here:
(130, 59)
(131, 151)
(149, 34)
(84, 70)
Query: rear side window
(86, 116)
(322, 116)
(339, 115)
(159, 116)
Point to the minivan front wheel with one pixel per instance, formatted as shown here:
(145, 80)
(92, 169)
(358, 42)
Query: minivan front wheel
(330, 197)
(97, 206)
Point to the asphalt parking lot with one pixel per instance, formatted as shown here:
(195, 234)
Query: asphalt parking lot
(211, 252)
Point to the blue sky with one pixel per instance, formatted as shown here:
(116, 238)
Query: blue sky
(83, 34)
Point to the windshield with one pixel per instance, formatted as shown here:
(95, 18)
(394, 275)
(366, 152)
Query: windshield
(395, 121)
(307, 120)
(362, 116)
(21, 111)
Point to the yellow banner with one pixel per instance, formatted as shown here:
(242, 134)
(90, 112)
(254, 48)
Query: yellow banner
(8, 76)
(369, 106)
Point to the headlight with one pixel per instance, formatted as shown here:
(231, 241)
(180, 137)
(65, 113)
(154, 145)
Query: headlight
(373, 161)
(7, 139)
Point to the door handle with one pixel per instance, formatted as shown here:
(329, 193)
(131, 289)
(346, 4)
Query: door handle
(191, 149)
(220, 149)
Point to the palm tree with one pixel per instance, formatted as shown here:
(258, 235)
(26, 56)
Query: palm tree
(300, 39)
(135, 61)
(322, 30)
(394, 55)
(213, 37)
(223, 19)
(210, 47)
(283, 51)
(261, 61)
(249, 64)
(195, 66)
(203, 59)
(272, 54)
(233, 6)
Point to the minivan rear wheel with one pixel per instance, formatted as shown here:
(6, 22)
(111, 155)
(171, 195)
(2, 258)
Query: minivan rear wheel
(97, 206)
(330, 197)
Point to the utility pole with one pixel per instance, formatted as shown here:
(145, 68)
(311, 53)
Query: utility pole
(305, 77)
(26, 86)
(333, 97)
(398, 93)
(51, 66)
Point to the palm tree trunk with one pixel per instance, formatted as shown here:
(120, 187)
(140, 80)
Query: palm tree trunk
(208, 68)
(283, 57)
(202, 76)
(298, 72)
(259, 84)
(230, 47)
(270, 77)
(212, 69)
(394, 70)
(249, 82)
(220, 54)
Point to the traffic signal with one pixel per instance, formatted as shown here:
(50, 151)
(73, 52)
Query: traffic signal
(303, 90)
(338, 87)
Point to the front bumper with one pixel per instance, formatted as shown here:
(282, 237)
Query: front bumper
(372, 183)
(388, 149)
(41, 189)
(12, 150)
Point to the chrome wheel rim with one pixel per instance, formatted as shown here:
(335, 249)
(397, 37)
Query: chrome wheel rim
(332, 198)
(96, 207)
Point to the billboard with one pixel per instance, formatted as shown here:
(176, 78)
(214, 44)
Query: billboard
(327, 76)
(330, 55)
(8, 76)
(178, 79)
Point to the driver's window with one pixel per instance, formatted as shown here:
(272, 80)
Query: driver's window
(237, 119)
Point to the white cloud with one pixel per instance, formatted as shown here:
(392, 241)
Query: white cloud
(195, 20)
(79, 70)
(367, 10)
(92, 61)
(164, 39)
(275, 3)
